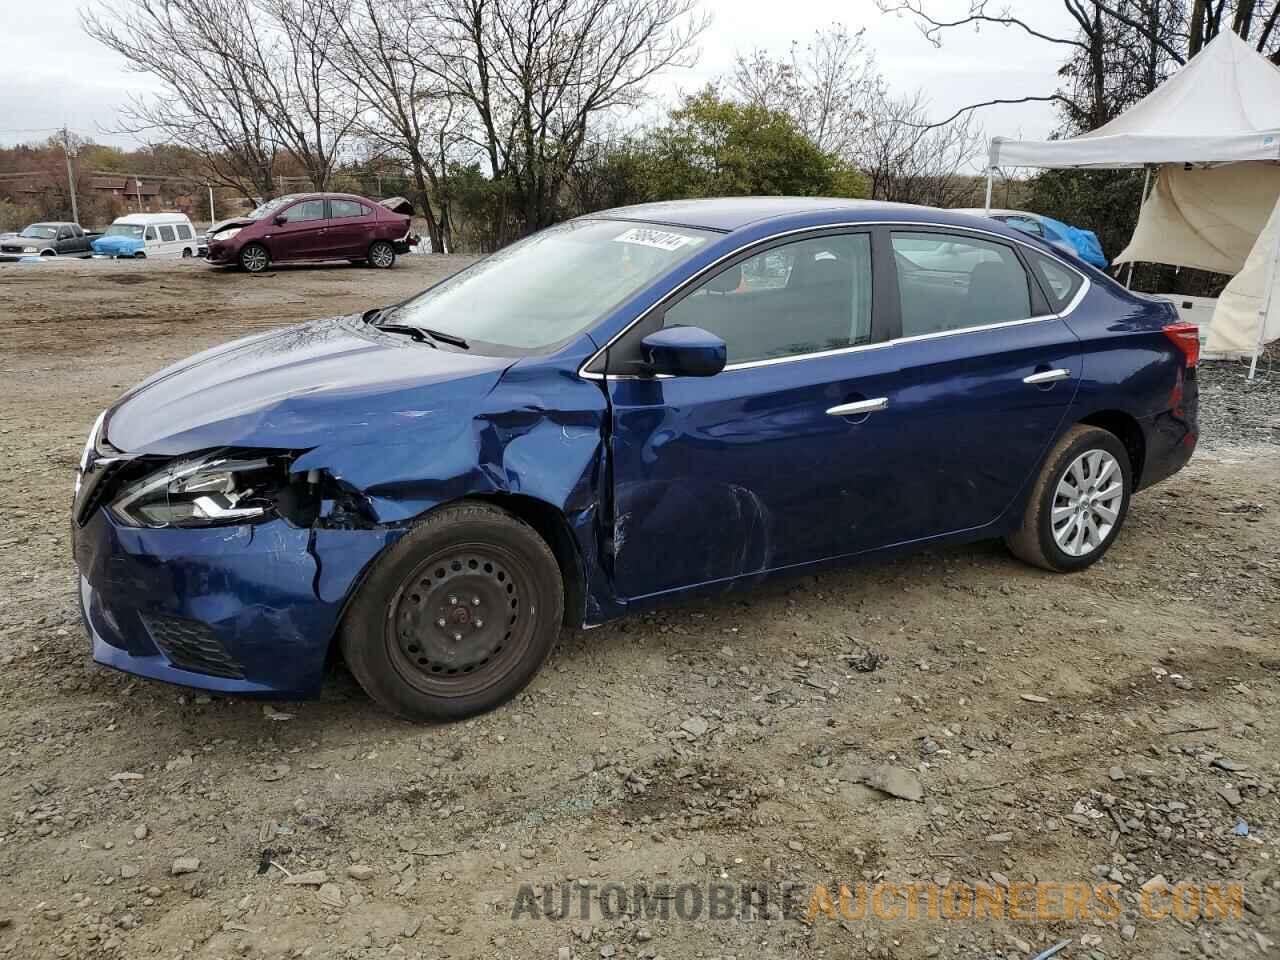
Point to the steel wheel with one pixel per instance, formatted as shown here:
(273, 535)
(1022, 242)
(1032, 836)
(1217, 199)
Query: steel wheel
(461, 619)
(1086, 503)
(382, 255)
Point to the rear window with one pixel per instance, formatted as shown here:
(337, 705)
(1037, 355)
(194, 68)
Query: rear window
(1060, 282)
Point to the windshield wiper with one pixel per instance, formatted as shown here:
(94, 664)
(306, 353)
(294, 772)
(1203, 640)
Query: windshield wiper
(421, 334)
(450, 338)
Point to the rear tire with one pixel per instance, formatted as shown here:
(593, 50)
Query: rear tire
(186, 253)
(382, 255)
(1078, 503)
(254, 258)
(492, 582)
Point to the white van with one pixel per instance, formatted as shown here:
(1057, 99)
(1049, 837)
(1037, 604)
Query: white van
(166, 236)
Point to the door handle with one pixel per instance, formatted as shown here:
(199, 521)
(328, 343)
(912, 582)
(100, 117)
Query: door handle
(1047, 376)
(859, 407)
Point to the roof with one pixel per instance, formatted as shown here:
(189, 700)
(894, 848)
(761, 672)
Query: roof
(1223, 106)
(145, 218)
(54, 223)
(733, 213)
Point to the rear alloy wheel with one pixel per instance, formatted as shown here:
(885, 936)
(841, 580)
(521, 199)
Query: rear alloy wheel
(1078, 504)
(382, 254)
(456, 617)
(254, 258)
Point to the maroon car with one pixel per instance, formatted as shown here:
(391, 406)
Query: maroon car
(314, 226)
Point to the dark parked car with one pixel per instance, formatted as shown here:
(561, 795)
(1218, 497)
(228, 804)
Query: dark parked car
(54, 239)
(625, 408)
(313, 226)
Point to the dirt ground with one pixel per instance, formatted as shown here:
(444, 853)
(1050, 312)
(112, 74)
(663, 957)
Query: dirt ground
(1102, 728)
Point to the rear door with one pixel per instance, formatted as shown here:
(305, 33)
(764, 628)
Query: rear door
(303, 234)
(988, 370)
(350, 228)
(775, 461)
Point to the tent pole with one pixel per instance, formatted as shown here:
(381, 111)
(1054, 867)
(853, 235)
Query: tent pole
(1273, 265)
(991, 169)
(1146, 180)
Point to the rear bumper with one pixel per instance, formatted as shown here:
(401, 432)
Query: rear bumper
(246, 610)
(1170, 437)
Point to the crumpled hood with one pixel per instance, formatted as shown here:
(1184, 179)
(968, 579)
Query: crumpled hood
(116, 245)
(330, 381)
(228, 224)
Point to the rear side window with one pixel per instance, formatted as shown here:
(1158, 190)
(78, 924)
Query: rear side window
(1059, 282)
(340, 209)
(950, 282)
(184, 232)
(166, 233)
(799, 298)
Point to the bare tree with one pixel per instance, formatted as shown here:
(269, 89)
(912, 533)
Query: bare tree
(536, 74)
(389, 54)
(242, 82)
(830, 87)
(907, 159)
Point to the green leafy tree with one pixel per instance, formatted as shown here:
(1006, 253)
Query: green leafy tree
(713, 147)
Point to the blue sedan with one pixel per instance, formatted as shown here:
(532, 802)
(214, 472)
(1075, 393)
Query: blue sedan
(625, 408)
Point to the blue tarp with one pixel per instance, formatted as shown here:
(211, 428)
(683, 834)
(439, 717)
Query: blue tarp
(117, 246)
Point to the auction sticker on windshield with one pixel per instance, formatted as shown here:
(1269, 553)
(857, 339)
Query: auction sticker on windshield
(661, 239)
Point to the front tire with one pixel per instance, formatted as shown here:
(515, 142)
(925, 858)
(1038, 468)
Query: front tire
(254, 258)
(456, 617)
(382, 255)
(1078, 503)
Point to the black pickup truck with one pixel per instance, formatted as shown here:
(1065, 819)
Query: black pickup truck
(53, 239)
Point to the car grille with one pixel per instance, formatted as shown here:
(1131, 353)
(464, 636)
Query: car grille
(190, 645)
(9, 248)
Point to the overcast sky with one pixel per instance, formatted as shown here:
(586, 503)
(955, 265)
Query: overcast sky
(55, 74)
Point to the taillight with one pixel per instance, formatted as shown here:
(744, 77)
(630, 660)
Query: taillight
(1186, 336)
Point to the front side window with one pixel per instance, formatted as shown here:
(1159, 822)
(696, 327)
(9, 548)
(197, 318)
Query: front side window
(166, 233)
(951, 282)
(151, 233)
(799, 298)
(306, 211)
(342, 209)
(551, 286)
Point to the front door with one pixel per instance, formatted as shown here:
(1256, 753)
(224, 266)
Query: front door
(303, 234)
(772, 462)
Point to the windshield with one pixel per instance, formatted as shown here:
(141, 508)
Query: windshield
(270, 207)
(124, 230)
(39, 232)
(552, 285)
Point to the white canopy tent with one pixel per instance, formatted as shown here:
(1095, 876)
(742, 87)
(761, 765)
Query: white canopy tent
(1223, 107)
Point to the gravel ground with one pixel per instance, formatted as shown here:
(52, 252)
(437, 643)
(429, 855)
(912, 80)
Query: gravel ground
(1111, 727)
(1235, 410)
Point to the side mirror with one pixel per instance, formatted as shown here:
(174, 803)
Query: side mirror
(281, 219)
(684, 352)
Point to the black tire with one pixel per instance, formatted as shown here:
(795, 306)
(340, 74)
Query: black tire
(497, 588)
(186, 253)
(382, 255)
(139, 255)
(1035, 541)
(254, 258)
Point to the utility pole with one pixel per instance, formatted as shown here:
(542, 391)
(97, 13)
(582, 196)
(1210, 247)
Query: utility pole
(137, 182)
(213, 218)
(68, 151)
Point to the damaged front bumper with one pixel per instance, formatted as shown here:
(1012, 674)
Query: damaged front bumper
(247, 610)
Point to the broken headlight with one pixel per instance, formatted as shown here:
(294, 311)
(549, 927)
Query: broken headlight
(217, 488)
(226, 234)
